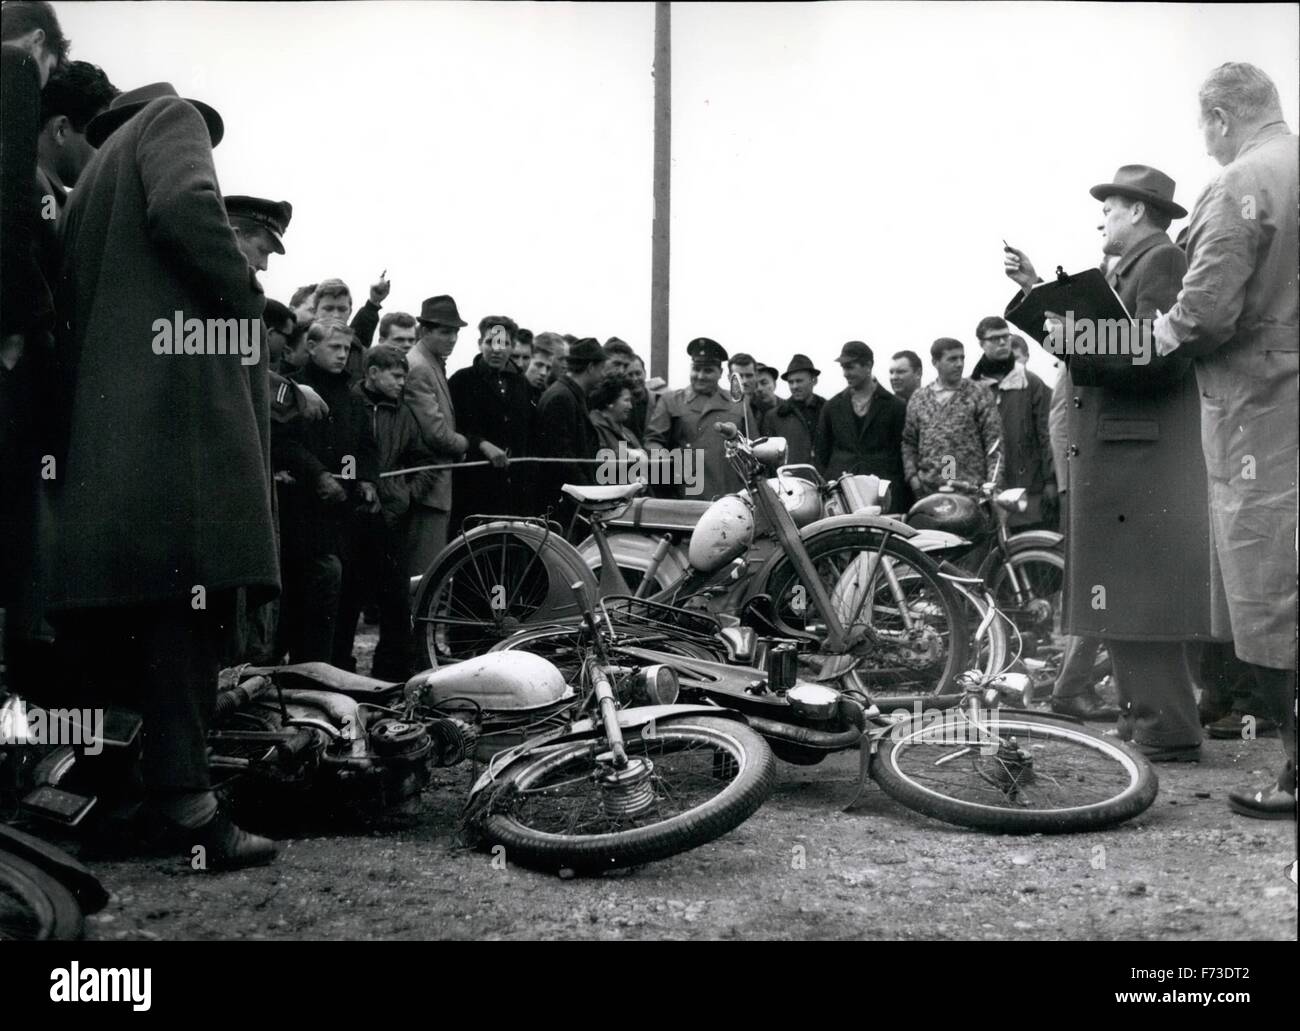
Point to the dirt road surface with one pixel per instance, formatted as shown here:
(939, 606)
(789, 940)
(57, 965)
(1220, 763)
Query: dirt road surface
(800, 868)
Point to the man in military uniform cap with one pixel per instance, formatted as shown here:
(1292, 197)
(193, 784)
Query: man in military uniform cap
(685, 418)
(259, 226)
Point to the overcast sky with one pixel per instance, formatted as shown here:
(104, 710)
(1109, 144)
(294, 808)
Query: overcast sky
(840, 170)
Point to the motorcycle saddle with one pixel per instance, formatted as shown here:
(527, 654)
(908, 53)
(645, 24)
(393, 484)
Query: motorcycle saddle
(662, 514)
(322, 675)
(608, 496)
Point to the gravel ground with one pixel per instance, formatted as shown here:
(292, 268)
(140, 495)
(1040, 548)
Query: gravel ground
(802, 867)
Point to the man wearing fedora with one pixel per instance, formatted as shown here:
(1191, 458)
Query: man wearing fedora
(427, 392)
(796, 419)
(162, 498)
(685, 419)
(860, 429)
(1237, 317)
(1136, 533)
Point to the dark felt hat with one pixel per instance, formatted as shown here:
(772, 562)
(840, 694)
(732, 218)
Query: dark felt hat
(704, 351)
(1144, 183)
(800, 363)
(770, 370)
(440, 311)
(124, 105)
(271, 215)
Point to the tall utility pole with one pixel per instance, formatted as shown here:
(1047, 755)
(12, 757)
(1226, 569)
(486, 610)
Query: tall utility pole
(659, 232)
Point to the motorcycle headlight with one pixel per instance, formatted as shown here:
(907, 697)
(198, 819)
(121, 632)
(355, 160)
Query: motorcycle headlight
(658, 685)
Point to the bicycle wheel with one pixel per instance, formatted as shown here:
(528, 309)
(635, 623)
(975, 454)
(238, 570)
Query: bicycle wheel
(1034, 601)
(689, 781)
(490, 582)
(879, 581)
(35, 906)
(1015, 773)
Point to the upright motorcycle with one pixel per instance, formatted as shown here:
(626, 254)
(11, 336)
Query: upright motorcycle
(850, 586)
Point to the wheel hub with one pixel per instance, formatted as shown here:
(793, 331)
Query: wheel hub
(626, 792)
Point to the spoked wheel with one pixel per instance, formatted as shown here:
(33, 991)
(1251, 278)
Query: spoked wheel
(1033, 600)
(916, 643)
(35, 906)
(688, 780)
(489, 583)
(1015, 773)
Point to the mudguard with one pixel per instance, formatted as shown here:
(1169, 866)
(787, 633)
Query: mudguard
(758, 582)
(560, 557)
(628, 719)
(1049, 539)
(939, 541)
(1029, 540)
(90, 894)
(634, 551)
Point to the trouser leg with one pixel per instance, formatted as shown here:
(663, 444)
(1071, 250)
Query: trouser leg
(360, 562)
(1077, 661)
(427, 537)
(1276, 690)
(394, 655)
(1156, 696)
(316, 595)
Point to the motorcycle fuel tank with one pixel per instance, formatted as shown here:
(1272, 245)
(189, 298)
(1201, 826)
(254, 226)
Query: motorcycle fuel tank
(723, 533)
(509, 681)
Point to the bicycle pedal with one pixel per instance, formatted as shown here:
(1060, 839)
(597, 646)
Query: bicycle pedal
(58, 806)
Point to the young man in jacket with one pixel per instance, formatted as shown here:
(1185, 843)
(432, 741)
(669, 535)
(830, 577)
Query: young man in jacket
(373, 569)
(860, 429)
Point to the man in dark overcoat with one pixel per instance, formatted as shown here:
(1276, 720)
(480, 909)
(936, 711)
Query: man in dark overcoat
(796, 419)
(162, 492)
(1137, 544)
(493, 406)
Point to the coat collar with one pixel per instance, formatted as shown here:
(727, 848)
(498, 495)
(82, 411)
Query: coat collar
(1262, 135)
(1133, 253)
(791, 407)
(709, 401)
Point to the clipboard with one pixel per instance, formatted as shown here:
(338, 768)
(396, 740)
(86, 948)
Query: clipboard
(1087, 294)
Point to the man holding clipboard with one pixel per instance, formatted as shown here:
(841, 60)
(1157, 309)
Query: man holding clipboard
(1136, 527)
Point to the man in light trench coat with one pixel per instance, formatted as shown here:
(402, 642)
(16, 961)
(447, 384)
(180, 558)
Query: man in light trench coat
(1237, 317)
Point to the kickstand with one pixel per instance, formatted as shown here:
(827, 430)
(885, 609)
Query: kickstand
(864, 771)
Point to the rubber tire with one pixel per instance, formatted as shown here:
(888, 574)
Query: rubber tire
(834, 539)
(559, 558)
(728, 809)
(1030, 555)
(58, 917)
(1136, 798)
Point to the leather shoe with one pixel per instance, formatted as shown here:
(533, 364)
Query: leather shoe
(228, 846)
(1229, 727)
(1270, 803)
(1169, 753)
(225, 845)
(1085, 706)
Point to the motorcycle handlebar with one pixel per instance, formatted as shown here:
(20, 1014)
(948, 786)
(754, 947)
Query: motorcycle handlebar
(727, 429)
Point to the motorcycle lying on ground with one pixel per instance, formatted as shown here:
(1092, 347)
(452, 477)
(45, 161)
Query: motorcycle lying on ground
(1024, 571)
(583, 784)
(45, 894)
(850, 585)
(977, 764)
